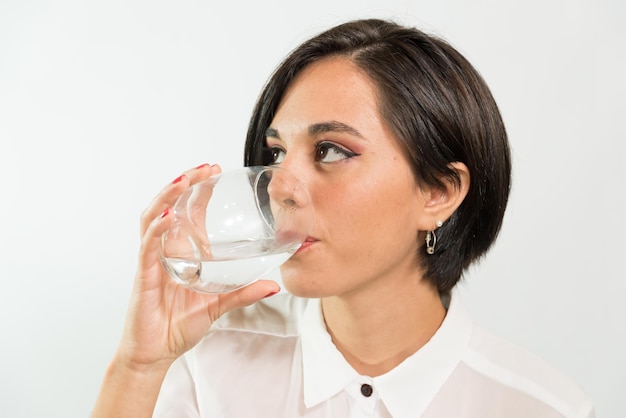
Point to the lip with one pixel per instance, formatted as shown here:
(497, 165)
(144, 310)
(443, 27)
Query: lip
(306, 244)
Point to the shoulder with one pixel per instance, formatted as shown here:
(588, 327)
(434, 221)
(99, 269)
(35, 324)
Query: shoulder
(520, 370)
(279, 315)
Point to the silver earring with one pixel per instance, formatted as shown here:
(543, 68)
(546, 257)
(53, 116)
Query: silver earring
(431, 241)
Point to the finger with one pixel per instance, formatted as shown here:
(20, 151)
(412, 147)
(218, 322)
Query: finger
(202, 172)
(168, 195)
(165, 199)
(149, 267)
(197, 205)
(247, 295)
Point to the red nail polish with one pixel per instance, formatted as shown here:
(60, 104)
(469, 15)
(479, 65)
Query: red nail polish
(165, 213)
(201, 166)
(177, 179)
(270, 294)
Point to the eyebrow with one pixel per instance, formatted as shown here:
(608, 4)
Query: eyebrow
(320, 128)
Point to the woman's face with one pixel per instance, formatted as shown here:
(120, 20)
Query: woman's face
(329, 132)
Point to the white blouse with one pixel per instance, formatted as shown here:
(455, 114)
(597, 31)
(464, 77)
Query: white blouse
(276, 359)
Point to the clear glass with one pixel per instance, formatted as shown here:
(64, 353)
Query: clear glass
(235, 227)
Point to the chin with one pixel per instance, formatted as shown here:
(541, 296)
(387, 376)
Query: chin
(303, 285)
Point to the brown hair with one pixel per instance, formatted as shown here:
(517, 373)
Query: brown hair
(439, 108)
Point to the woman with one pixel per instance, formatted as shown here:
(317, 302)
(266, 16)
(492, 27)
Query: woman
(404, 152)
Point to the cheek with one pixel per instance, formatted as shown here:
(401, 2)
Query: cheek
(353, 210)
(339, 209)
(336, 202)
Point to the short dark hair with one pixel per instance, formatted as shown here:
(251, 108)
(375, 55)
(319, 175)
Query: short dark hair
(441, 111)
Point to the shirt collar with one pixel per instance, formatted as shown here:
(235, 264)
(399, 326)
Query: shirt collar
(407, 389)
(325, 371)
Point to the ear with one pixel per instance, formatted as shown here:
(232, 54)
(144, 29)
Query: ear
(441, 202)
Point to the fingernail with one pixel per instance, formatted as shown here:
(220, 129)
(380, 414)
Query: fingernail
(201, 166)
(165, 213)
(270, 294)
(177, 179)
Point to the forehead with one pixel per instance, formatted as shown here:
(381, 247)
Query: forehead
(333, 88)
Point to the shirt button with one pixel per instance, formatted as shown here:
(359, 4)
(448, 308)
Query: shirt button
(366, 390)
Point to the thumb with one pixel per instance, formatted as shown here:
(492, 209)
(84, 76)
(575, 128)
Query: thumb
(248, 295)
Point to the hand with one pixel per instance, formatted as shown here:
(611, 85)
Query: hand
(166, 319)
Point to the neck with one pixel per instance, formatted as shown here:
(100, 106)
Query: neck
(376, 332)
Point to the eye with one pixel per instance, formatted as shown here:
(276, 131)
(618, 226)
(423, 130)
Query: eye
(273, 155)
(326, 152)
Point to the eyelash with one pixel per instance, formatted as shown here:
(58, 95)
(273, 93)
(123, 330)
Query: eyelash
(323, 146)
(320, 147)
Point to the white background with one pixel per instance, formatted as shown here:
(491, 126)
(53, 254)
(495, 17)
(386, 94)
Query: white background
(102, 103)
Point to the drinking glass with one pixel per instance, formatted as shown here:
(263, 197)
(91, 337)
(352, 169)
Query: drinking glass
(235, 227)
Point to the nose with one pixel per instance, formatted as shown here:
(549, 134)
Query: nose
(290, 205)
(286, 191)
